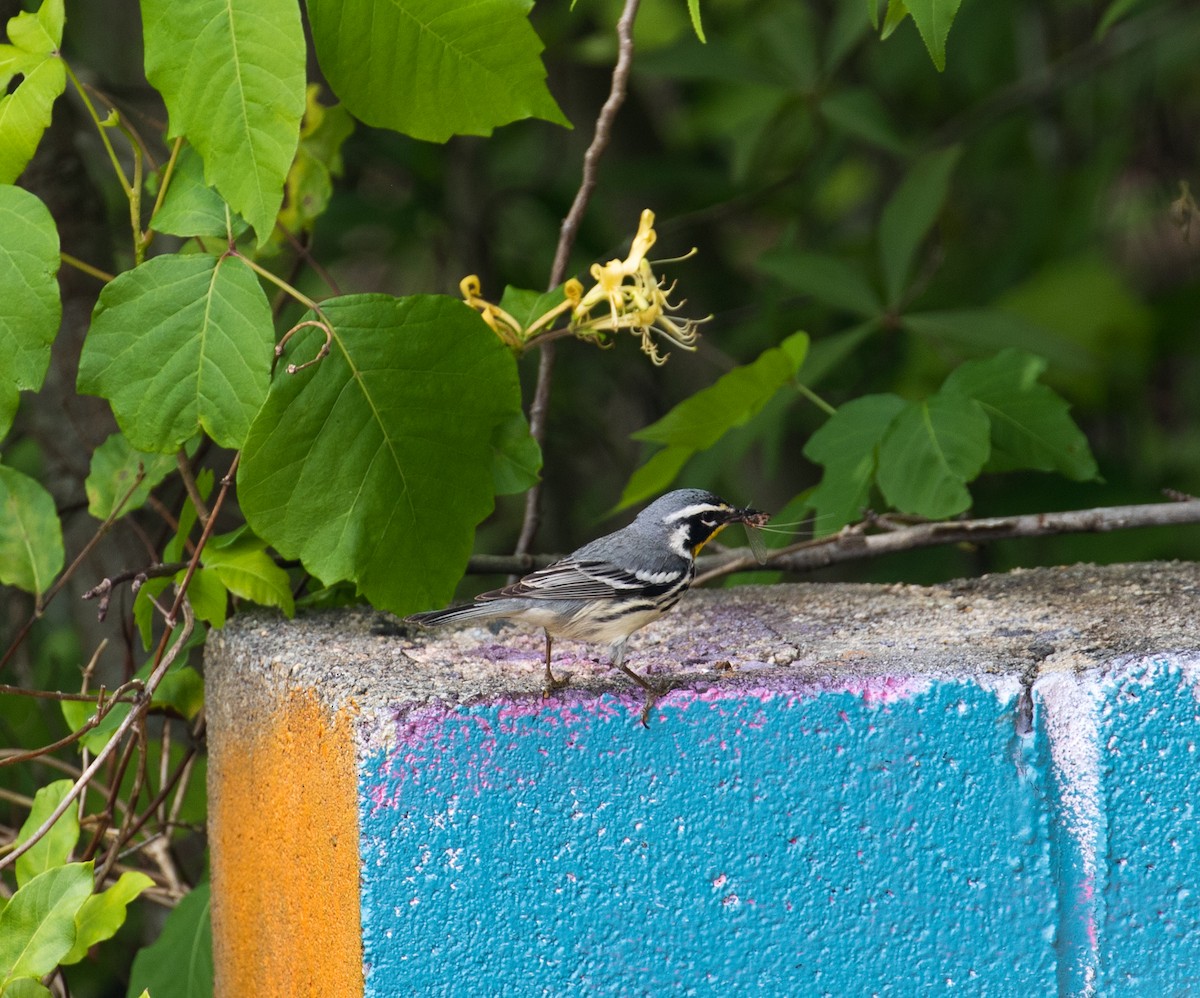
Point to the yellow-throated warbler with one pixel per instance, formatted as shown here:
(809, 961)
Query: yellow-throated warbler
(615, 585)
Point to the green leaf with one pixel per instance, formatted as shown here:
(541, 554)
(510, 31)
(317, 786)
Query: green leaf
(846, 445)
(241, 562)
(26, 987)
(54, 848)
(858, 112)
(30, 307)
(829, 279)
(103, 914)
(37, 926)
(191, 207)
(526, 306)
(25, 112)
(653, 477)
(433, 68)
(144, 615)
(179, 963)
(375, 464)
(933, 19)
(1114, 12)
(1031, 425)
(309, 184)
(701, 420)
(181, 690)
(232, 73)
(208, 596)
(31, 547)
(931, 450)
(181, 344)
(694, 14)
(910, 214)
(897, 11)
(516, 456)
(113, 471)
(985, 330)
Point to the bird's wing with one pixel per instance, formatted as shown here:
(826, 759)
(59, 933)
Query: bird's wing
(584, 580)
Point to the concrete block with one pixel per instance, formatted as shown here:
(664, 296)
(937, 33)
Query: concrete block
(985, 786)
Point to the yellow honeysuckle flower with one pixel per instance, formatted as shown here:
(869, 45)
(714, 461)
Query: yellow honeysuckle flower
(637, 301)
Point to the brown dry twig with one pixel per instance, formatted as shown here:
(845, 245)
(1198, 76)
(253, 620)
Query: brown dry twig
(855, 545)
(566, 240)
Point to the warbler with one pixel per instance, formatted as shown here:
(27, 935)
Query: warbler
(613, 586)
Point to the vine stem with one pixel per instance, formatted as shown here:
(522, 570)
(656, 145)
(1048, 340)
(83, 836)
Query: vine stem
(566, 240)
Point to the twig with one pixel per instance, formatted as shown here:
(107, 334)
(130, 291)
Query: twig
(566, 240)
(854, 545)
(103, 589)
(189, 483)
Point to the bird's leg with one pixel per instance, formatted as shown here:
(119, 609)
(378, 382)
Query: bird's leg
(653, 692)
(551, 684)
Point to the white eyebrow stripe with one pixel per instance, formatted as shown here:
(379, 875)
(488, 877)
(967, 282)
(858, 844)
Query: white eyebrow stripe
(694, 510)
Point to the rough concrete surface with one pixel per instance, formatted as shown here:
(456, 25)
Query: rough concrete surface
(1077, 617)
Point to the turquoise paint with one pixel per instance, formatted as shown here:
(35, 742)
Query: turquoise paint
(1150, 934)
(875, 837)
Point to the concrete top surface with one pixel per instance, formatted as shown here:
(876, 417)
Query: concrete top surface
(1019, 624)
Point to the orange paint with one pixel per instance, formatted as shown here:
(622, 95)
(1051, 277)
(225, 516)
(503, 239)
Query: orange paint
(283, 829)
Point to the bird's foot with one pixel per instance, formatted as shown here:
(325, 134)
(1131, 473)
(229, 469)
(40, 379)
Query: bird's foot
(551, 685)
(654, 692)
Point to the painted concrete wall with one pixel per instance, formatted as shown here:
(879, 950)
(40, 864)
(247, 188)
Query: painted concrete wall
(984, 788)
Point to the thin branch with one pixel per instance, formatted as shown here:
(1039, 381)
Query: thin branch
(566, 240)
(854, 545)
(189, 483)
(118, 737)
(104, 588)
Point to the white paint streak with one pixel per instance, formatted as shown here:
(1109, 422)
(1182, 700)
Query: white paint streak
(1072, 718)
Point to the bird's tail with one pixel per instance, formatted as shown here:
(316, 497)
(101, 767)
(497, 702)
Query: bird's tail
(455, 614)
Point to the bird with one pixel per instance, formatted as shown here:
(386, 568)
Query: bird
(613, 586)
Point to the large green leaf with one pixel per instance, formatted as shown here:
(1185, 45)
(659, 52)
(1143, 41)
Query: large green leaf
(114, 469)
(232, 74)
(31, 547)
(30, 307)
(375, 464)
(54, 848)
(1031, 424)
(102, 914)
(931, 450)
(179, 963)
(25, 112)
(909, 215)
(433, 68)
(180, 344)
(37, 926)
(846, 445)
